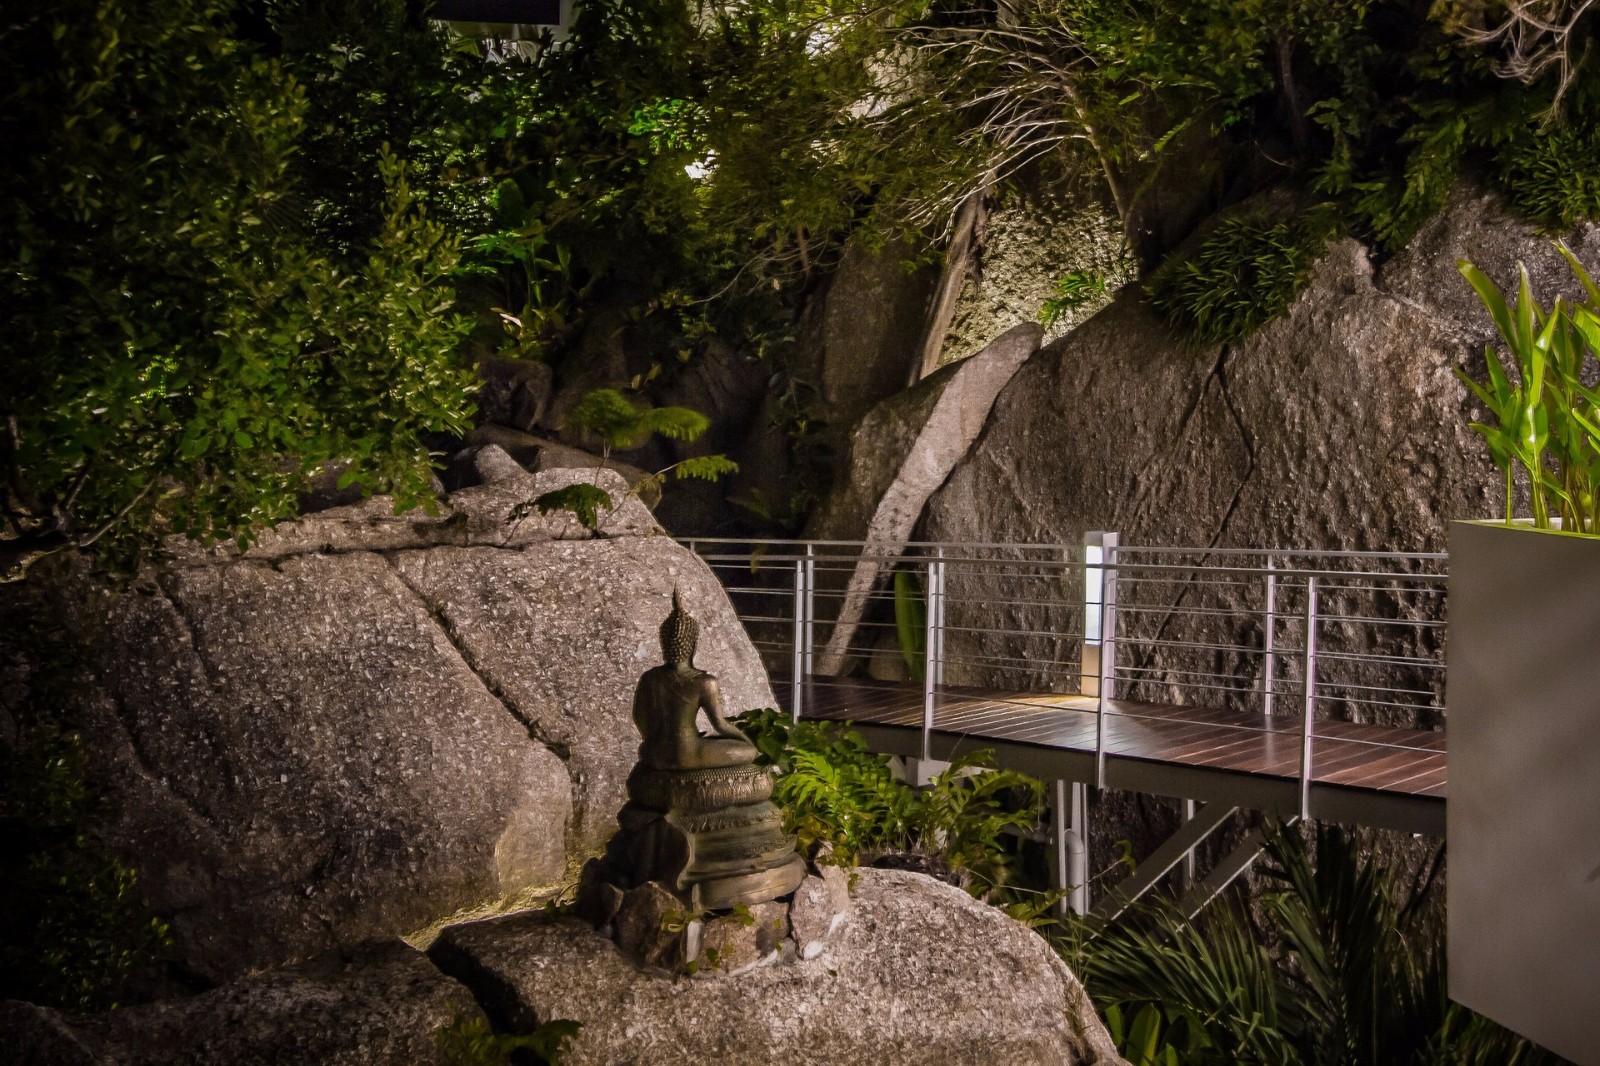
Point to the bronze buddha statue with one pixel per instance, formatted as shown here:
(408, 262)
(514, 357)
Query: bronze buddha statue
(698, 819)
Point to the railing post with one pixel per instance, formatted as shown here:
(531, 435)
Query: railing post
(1307, 728)
(1269, 642)
(1098, 670)
(811, 608)
(936, 608)
(933, 628)
(798, 665)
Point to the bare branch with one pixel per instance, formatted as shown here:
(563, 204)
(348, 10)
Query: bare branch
(1537, 35)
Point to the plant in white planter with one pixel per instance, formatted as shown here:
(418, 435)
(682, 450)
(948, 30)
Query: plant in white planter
(1523, 687)
(1548, 419)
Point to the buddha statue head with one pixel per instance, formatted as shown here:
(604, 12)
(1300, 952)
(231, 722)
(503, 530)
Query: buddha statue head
(679, 634)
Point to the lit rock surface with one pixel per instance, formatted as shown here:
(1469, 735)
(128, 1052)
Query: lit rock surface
(369, 725)
(821, 906)
(379, 1005)
(899, 454)
(919, 973)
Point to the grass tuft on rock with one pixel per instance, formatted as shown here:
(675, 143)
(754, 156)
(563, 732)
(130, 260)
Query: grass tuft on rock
(1243, 274)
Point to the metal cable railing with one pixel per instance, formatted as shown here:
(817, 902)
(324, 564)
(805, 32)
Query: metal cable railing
(1278, 638)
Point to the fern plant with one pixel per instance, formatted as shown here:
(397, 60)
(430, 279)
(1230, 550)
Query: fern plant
(607, 415)
(1244, 274)
(834, 791)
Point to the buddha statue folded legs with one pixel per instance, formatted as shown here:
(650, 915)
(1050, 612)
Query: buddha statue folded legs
(699, 817)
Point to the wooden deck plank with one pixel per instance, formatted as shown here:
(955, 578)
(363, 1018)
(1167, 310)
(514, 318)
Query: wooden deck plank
(1348, 754)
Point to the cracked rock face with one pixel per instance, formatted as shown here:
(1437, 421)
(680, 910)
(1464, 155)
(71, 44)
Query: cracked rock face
(380, 1003)
(920, 973)
(369, 724)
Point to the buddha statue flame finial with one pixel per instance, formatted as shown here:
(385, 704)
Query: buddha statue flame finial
(679, 634)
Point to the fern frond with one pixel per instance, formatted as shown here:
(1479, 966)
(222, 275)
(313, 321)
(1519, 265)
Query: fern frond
(678, 423)
(705, 467)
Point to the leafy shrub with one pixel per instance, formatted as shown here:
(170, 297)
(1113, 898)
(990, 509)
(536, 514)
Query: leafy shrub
(835, 791)
(75, 928)
(1245, 273)
(1552, 175)
(183, 352)
(1352, 973)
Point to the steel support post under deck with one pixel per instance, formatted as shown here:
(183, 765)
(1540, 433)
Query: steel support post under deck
(1308, 723)
(1070, 821)
(1171, 852)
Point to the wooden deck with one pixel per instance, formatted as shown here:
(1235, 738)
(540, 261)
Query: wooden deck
(1369, 774)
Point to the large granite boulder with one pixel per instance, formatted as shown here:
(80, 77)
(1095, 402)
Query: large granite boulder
(919, 972)
(374, 1005)
(1339, 426)
(865, 333)
(369, 724)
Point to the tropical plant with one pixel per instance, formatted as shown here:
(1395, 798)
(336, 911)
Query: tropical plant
(616, 423)
(1546, 415)
(911, 622)
(1350, 971)
(834, 791)
(183, 353)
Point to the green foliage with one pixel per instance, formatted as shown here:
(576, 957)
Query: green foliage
(1547, 421)
(1245, 273)
(911, 622)
(610, 417)
(834, 791)
(1073, 292)
(705, 467)
(1151, 1038)
(183, 353)
(471, 1042)
(1351, 975)
(1552, 174)
(582, 500)
(75, 926)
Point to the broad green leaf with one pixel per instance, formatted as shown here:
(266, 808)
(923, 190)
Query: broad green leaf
(1490, 295)
(1581, 274)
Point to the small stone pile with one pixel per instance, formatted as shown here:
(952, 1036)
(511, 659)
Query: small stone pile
(656, 929)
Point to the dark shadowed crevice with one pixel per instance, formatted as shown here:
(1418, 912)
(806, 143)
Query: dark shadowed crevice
(498, 997)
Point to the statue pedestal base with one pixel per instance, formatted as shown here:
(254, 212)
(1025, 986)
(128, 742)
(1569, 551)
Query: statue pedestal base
(711, 836)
